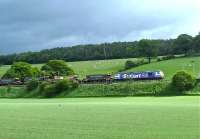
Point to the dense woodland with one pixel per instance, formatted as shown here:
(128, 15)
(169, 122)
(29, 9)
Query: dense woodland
(184, 44)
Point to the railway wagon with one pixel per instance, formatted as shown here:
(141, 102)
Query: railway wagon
(148, 75)
(4, 82)
(99, 78)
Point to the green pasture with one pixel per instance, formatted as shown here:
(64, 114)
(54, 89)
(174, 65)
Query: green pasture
(83, 68)
(101, 118)
(170, 67)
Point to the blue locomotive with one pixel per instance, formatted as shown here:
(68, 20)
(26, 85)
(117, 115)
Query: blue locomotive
(148, 75)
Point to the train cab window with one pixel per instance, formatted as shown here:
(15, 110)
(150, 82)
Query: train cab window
(150, 74)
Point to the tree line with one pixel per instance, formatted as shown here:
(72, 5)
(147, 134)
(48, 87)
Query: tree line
(183, 44)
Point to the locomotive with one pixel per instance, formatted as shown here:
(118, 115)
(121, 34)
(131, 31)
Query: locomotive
(148, 75)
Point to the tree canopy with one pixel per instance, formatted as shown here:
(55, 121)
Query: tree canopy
(147, 49)
(184, 44)
(21, 70)
(57, 67)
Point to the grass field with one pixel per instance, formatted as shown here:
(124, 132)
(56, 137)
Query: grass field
(101, 118)
(83, 68)
(170, 67)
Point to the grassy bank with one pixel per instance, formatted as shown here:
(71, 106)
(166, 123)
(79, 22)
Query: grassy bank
(145, 88)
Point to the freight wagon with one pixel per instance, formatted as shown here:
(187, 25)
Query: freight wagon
(99, 78)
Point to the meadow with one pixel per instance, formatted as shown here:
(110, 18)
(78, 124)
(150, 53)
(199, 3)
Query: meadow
(101, 118)
(169, 67)
(83, 68)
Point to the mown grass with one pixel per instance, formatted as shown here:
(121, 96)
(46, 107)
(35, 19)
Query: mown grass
(101, 118)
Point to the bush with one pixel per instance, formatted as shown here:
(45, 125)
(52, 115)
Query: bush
(42, 86)
(166, 58)
(32, 85)
(183, 81)
(169, 57)
(74, 84)
(131, 64)
(62, 85)
(51, 90)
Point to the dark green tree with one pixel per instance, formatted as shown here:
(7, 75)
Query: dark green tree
(147, 48)
(57, 67)
(20, 70)
(196, 43)
(183, 44)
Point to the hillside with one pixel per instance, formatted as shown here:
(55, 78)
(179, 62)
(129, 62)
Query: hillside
(170, 67)
(83, 68)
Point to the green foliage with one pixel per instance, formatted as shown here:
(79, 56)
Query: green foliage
(196, 43)
(148, 48)
(131, 64)
(32, 85)
(57, 67)
(183, 81)
(183, 44)
(166, 58)
(62, 85)
(51, 90)
(140, 88)
(41, 86)
(21, 70)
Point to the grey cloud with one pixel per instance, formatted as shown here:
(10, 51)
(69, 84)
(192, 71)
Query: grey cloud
(35, 24)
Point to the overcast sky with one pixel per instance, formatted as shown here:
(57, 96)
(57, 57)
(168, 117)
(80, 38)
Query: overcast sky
(32, 25)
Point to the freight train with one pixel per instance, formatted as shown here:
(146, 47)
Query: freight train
(107, 78)
(98, 78)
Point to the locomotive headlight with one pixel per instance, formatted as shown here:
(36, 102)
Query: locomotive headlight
(162, 74)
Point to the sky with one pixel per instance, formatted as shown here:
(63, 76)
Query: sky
(33, 25)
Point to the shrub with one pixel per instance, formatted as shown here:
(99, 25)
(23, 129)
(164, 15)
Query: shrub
(169, 57)
(74, 84)
(131, 64)
(183, 81)
(42, 86)
(51, 90)
(166, 58)
(62, 85)
(32, 85)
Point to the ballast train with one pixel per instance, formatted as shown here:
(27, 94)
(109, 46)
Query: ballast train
(148, 75)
